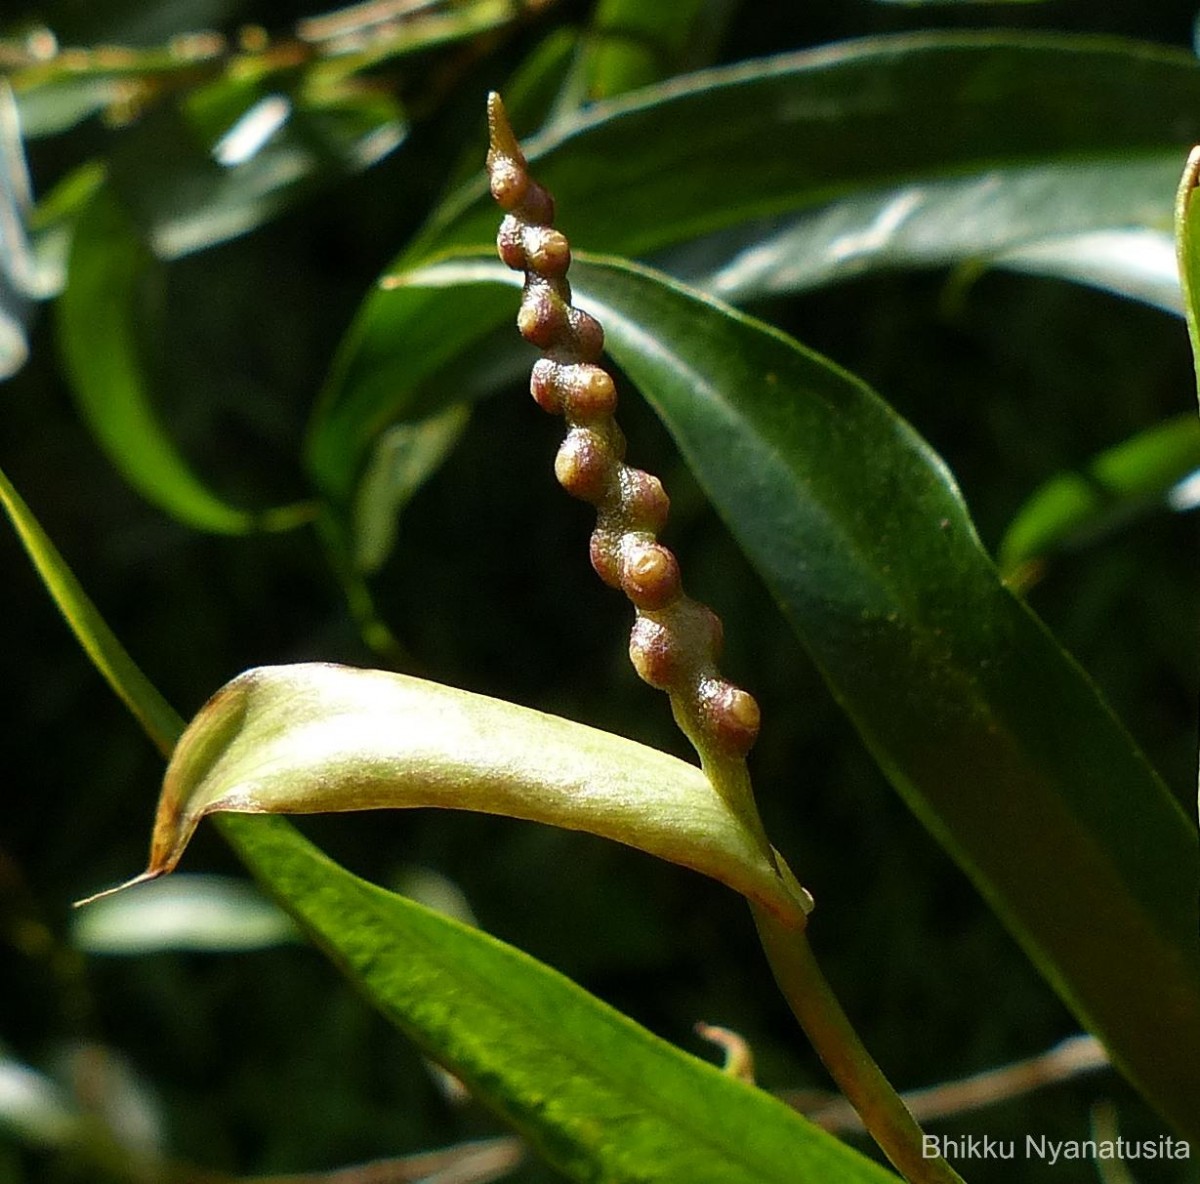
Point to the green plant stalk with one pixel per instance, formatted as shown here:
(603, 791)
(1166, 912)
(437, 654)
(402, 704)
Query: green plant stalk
(843, 1054)
(675, 641)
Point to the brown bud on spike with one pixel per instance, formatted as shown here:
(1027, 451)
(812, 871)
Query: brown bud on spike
(510, 244)
(545, 386)
(584, 466)
(543, 317)
(549, 252)
(653, 653)
(732, 716)
(645, 499)
(590, 392)
(649, 575)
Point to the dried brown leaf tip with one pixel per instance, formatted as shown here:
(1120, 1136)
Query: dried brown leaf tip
(675, 641)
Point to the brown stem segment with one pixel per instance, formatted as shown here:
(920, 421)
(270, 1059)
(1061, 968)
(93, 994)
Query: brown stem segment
(676, 641)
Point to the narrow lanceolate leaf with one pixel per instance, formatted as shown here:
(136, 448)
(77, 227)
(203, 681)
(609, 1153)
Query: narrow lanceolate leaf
(1187, 243)
(789, 133)
(103, 339)
(807, 168)
(108, 655)
(1112, 489)
(319, 738)
(600, 1097)
(992, 734)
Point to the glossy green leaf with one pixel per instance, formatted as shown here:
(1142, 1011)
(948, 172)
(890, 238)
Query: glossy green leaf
(107, 654)
(598, 1096)
(319, 738)
(558, 1064)
(811, 167)
(801, 130)
(34, 1109)
(1187, 242)
(102, 332)
(994, 736)
(1025, 223)
(1111, 489)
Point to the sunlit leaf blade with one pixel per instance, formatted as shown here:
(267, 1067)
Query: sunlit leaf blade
(319, 738)
(102, 334)
(1113, 488)
(1028, 222)
(993, 735)
(108, 655)
(800, 130)
(1136, 262)
(564, 1068)
(1187, 242)
(600, 1097)
(812, 167)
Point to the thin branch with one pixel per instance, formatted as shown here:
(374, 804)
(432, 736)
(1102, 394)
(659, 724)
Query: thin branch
(1071, 1058)
(467, 1163)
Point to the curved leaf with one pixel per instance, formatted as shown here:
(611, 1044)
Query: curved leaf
(318, 738)
(600, 1097)
(721, 146)
(994, 736)
(1187, 242)
(805, 168)
(1114, 487)
(558, 1064)
(107, 654)
(101, 334)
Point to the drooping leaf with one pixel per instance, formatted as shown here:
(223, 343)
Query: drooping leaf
(1113, 488)
(993, 735)
(598, 1096)
(103, 334)
(319, 738)
(558, 1064)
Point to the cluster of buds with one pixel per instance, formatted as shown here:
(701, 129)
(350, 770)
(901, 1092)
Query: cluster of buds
(676, 642)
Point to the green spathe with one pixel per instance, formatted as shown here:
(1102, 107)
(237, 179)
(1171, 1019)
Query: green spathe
(321, 738)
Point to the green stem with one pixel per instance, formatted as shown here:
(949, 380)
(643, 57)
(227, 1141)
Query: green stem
(814, 1004)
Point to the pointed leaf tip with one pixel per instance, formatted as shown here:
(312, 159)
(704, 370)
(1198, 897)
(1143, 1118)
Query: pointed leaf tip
(143, 878)
(319, 738)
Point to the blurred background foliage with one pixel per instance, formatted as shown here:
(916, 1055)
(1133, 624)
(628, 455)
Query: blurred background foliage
(262, 1061)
